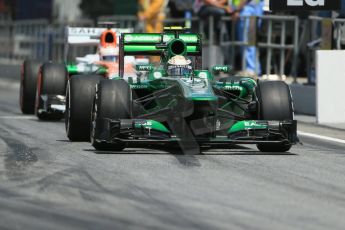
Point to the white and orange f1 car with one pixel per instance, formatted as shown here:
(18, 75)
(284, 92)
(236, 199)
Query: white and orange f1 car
(56, 90)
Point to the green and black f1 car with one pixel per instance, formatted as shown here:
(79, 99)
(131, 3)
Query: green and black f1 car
(191, 109)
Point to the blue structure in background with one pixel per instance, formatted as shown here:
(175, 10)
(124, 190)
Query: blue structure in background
(33, 9)
(342, 11)
(252, 8)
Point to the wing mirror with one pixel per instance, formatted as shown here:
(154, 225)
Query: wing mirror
(221, 69)
(144, 68)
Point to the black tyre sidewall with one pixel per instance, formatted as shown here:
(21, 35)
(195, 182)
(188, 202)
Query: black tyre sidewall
(52, 80)
(79, 100)
(113, 100)
(275, 104)
(28, 85)
(275, 101)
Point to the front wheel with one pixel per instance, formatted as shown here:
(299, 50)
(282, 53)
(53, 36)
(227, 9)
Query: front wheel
(79, 98)
(275, 104)
(113, 101)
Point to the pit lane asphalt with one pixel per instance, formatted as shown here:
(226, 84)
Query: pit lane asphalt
(47, 182)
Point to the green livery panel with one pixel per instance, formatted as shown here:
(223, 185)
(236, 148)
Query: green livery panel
(151, 124)
(86, 69)
(148, 44)
(247, 125)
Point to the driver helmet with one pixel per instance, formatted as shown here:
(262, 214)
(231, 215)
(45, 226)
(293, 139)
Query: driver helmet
(179, 66)
(108, 54)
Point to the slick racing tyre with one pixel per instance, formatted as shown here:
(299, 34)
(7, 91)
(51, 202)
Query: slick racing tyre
(28, 86)
(112, 100)
(275, 104)
(79, 99)
(52, 80)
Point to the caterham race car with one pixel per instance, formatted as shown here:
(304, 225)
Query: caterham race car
(178, 103)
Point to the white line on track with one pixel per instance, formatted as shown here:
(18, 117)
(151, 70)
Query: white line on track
(9, 84)
(321, 137)
(17, 117)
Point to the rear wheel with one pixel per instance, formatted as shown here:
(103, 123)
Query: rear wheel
(275, 104)
(112, 100)
(52, 80)
(28, 85)
(79, 99)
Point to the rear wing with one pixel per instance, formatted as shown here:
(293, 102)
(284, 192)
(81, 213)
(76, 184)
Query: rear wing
(150, 44)
(146, 44)
(88, 36)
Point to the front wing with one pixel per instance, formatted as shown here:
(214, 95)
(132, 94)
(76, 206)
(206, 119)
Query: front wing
(139, 131)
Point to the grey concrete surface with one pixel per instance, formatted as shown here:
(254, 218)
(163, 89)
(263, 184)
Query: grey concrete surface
(304, 97)
(10, 73)
(47, 182)
(313, 120)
